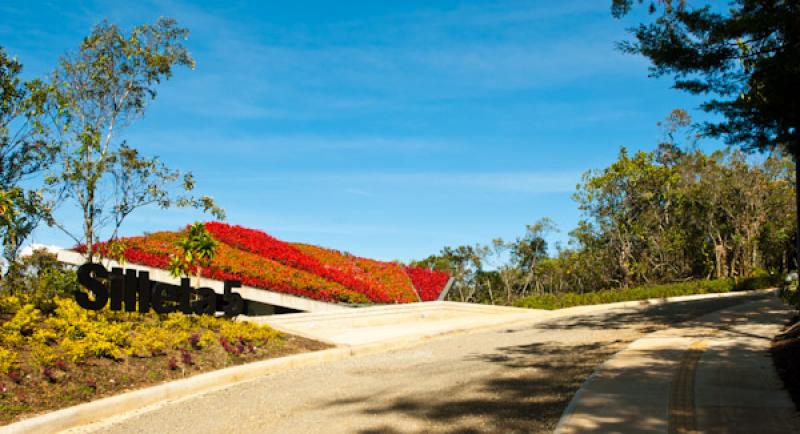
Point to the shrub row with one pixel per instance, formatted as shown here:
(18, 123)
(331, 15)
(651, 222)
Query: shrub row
(71, 333)
(569, 299)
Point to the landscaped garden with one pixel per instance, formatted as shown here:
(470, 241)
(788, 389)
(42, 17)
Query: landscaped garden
(54, 354)
(257, 259)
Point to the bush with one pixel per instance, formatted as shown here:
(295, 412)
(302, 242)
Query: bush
(10, 304)
(22, 324)
(8, 360)
(38, 279)
(569, 299)
(73, 333)
(759, 279)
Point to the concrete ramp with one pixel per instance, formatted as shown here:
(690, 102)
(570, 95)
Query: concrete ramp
(382, 323)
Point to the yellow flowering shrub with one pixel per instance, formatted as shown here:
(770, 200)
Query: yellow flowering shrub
(148, 342)
(44, 354)
(8, 360)
(44, 336)
(10, 304)
(246, 331)
(22, 324)
(73, 333)
(207, 338)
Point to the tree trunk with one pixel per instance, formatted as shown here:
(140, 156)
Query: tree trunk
(797, 209)
(89, 230)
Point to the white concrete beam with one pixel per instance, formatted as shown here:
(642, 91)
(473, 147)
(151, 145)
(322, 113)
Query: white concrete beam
(247, 292)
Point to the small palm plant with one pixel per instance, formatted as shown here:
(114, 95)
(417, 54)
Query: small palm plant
(196, 250)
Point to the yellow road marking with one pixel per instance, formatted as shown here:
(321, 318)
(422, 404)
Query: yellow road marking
(682, 417)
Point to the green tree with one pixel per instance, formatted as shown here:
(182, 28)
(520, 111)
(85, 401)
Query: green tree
(464, 264)
(25, 150)
(529, 250)
(97, 92)
(39, 278)
(745, 58)
(196, 249)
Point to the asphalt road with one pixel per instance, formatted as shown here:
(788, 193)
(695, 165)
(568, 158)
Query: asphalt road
(515, 380)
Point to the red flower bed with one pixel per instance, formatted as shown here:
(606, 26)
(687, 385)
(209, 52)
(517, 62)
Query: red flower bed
(429, 283)
(262, 261)
(262, 244)
(250, 269)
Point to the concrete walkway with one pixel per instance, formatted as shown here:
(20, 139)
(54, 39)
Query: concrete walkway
(710, 375)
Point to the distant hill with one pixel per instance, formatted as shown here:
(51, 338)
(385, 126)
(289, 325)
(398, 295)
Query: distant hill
(260, 260)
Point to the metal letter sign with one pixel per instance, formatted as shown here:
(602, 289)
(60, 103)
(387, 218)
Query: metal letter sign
(133, 290)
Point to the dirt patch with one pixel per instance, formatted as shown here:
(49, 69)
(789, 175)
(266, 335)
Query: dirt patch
(29, 391)
(786, 356)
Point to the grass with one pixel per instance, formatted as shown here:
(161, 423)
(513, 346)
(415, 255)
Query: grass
(569, 299)
(68, 356)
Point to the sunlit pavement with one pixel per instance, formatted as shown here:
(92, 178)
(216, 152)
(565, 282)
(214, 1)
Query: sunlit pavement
(713, 374)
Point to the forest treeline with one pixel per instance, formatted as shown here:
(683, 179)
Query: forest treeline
(673, 214)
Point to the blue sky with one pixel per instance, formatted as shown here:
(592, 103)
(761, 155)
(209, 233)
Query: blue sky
(388, 129)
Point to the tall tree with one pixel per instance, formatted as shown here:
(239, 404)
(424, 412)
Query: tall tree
(528, 250)
(97, 92)
(746, 59)
(25, 150)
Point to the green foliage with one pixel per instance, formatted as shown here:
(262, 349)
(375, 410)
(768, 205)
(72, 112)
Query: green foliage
(667, 215)
(97, 92)
(760, 279)
(37, 279)
(671, 214)
(568, 299)
(463, 263)
(24, 152)
(196, 249)
(742, 55)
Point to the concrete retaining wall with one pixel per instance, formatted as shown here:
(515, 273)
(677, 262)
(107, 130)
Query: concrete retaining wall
(247, 292)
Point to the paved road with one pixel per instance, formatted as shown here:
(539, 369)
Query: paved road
(517, 380)
(713, 374)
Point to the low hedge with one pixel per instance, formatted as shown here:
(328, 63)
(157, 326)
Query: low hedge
(568, 299)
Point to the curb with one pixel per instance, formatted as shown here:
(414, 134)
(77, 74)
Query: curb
(94, 411)
(570, 409)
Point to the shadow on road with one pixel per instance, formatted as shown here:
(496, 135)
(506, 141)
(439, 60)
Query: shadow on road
(527, 396)
(532, 383)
